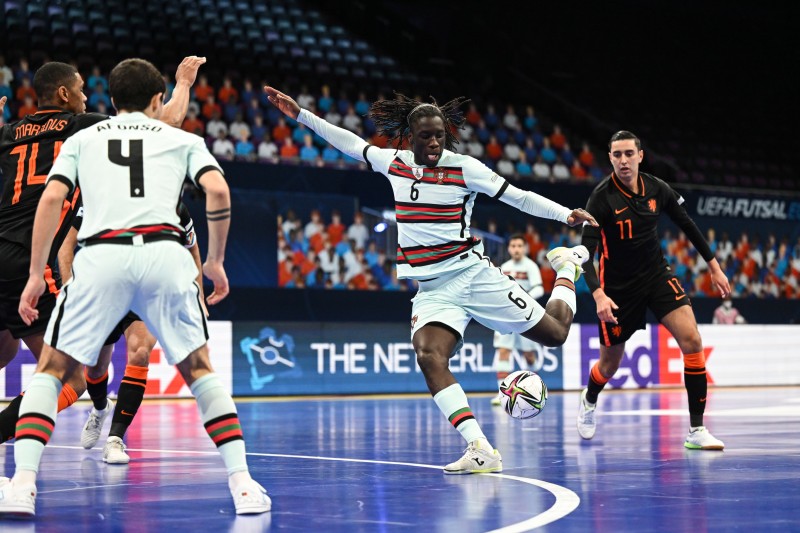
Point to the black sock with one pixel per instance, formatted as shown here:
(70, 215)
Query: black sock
(696, 390)
(8, 419)
(98, 391)
(596, 383)
(129, 398)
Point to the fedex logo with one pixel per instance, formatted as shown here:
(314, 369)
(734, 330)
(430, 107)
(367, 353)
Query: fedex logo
(652, 357)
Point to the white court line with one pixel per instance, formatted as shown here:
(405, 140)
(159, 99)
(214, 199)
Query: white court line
(566, 500)
(94, 487)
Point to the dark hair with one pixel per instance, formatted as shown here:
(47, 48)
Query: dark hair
(393, 118)
(516, 236)
(133, 83)
(50, 77)
(624, 135)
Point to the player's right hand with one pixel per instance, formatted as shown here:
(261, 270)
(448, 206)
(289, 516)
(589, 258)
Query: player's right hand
(285, 103)
(605, 307)
(215, 272)
(30, 299)
(187, 70)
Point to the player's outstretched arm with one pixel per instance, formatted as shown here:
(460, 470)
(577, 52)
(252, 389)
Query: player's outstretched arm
(45, 224)
(343, 140)
(539, 206)
(218, 214)
(579, 216)
(175, 110)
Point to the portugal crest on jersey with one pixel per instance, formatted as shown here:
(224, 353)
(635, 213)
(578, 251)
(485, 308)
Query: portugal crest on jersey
(440, 174)
(652, 204)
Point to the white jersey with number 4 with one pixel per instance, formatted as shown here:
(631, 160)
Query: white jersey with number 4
(131, 170)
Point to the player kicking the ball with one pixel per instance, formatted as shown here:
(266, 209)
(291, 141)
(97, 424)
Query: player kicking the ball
(434, 191)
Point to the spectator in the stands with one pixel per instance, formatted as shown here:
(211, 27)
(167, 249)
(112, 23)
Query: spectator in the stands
(586, 157)
(244, 147)
(473, 116)
(228, 91)
(289, 150)
(305, 97)
(5, 90)
(267, 150)
(482, 132)
(248, 91)
(28, 107)
(560, 170)
(223, 148)
(505, 167)
(254, 110)
(351, 121)
(24, 89)
(577, 171)
(475, 147)
(547, 153)
(192, 124)
(557, 138)
(511, 151)
(290, 223)
(325, 101)
(724, 247)
(523, 167)
(230, 108)
(309, 152)
(239, 127)
(336, 229)
(330, 154)
(362, 104)
(202, 90)
(281, 131)
(490, 118)
(510, 119)
(530, 150)
(23, 70)
(566, 155)
(259, 129)
(97, 77)
(541, 170)
(493, 149)
(216, 126)
(358, 231)
(529, 122)
(210, 107)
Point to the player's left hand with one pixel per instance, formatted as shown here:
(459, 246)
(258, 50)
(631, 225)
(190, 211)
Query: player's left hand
(30, 299)
(579, 216)
(720, 281)
(187, 70)
(214, 271)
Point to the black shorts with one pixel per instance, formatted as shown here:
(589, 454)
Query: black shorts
(120, 328)
(14, 265)
(662, 295)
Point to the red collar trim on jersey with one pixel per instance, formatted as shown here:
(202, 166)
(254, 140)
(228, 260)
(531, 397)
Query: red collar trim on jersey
(622, 188)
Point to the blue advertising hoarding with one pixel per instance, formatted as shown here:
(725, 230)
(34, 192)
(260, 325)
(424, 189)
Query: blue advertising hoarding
(289, 358)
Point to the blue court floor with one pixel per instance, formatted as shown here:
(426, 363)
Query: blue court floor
(374, 464)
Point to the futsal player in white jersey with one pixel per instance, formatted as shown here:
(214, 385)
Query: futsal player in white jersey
(526, 272)
(131, 169)
(434, 190)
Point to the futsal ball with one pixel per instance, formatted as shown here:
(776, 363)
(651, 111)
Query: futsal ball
(523, 394)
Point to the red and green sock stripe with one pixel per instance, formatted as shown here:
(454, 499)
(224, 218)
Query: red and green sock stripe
(224, 429)
(461, 416)
(35, 426)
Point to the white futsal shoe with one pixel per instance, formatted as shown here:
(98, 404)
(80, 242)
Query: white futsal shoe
(114, 452)
(251, 498)
(94, 425)
(700, 438)
(587, 424)
(14, 500)
(577, 255)
(479, 458)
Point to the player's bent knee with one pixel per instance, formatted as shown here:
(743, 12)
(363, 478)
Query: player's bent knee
(196, 365)
(431, 359)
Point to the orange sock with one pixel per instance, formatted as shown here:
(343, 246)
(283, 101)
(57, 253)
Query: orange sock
(67, 397)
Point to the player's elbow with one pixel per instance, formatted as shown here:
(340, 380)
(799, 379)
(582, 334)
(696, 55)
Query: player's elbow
(215, 186)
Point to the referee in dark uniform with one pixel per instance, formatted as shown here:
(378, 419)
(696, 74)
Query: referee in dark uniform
(635, 276)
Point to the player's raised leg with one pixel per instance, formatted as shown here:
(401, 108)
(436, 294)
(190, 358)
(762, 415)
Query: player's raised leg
(434, 344)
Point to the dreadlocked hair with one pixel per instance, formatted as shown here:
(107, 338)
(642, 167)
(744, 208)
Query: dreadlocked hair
(393, 118)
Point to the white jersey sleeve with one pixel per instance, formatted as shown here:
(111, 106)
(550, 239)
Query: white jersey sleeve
(379, 159)
(65, 167)
(341, 139)
(201, 161)
(480, 178)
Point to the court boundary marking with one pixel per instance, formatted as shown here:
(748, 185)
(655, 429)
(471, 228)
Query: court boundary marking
(566, 500)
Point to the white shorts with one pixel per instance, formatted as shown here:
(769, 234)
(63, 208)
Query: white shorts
(481, 292)
(157, 281)
(516, 341)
